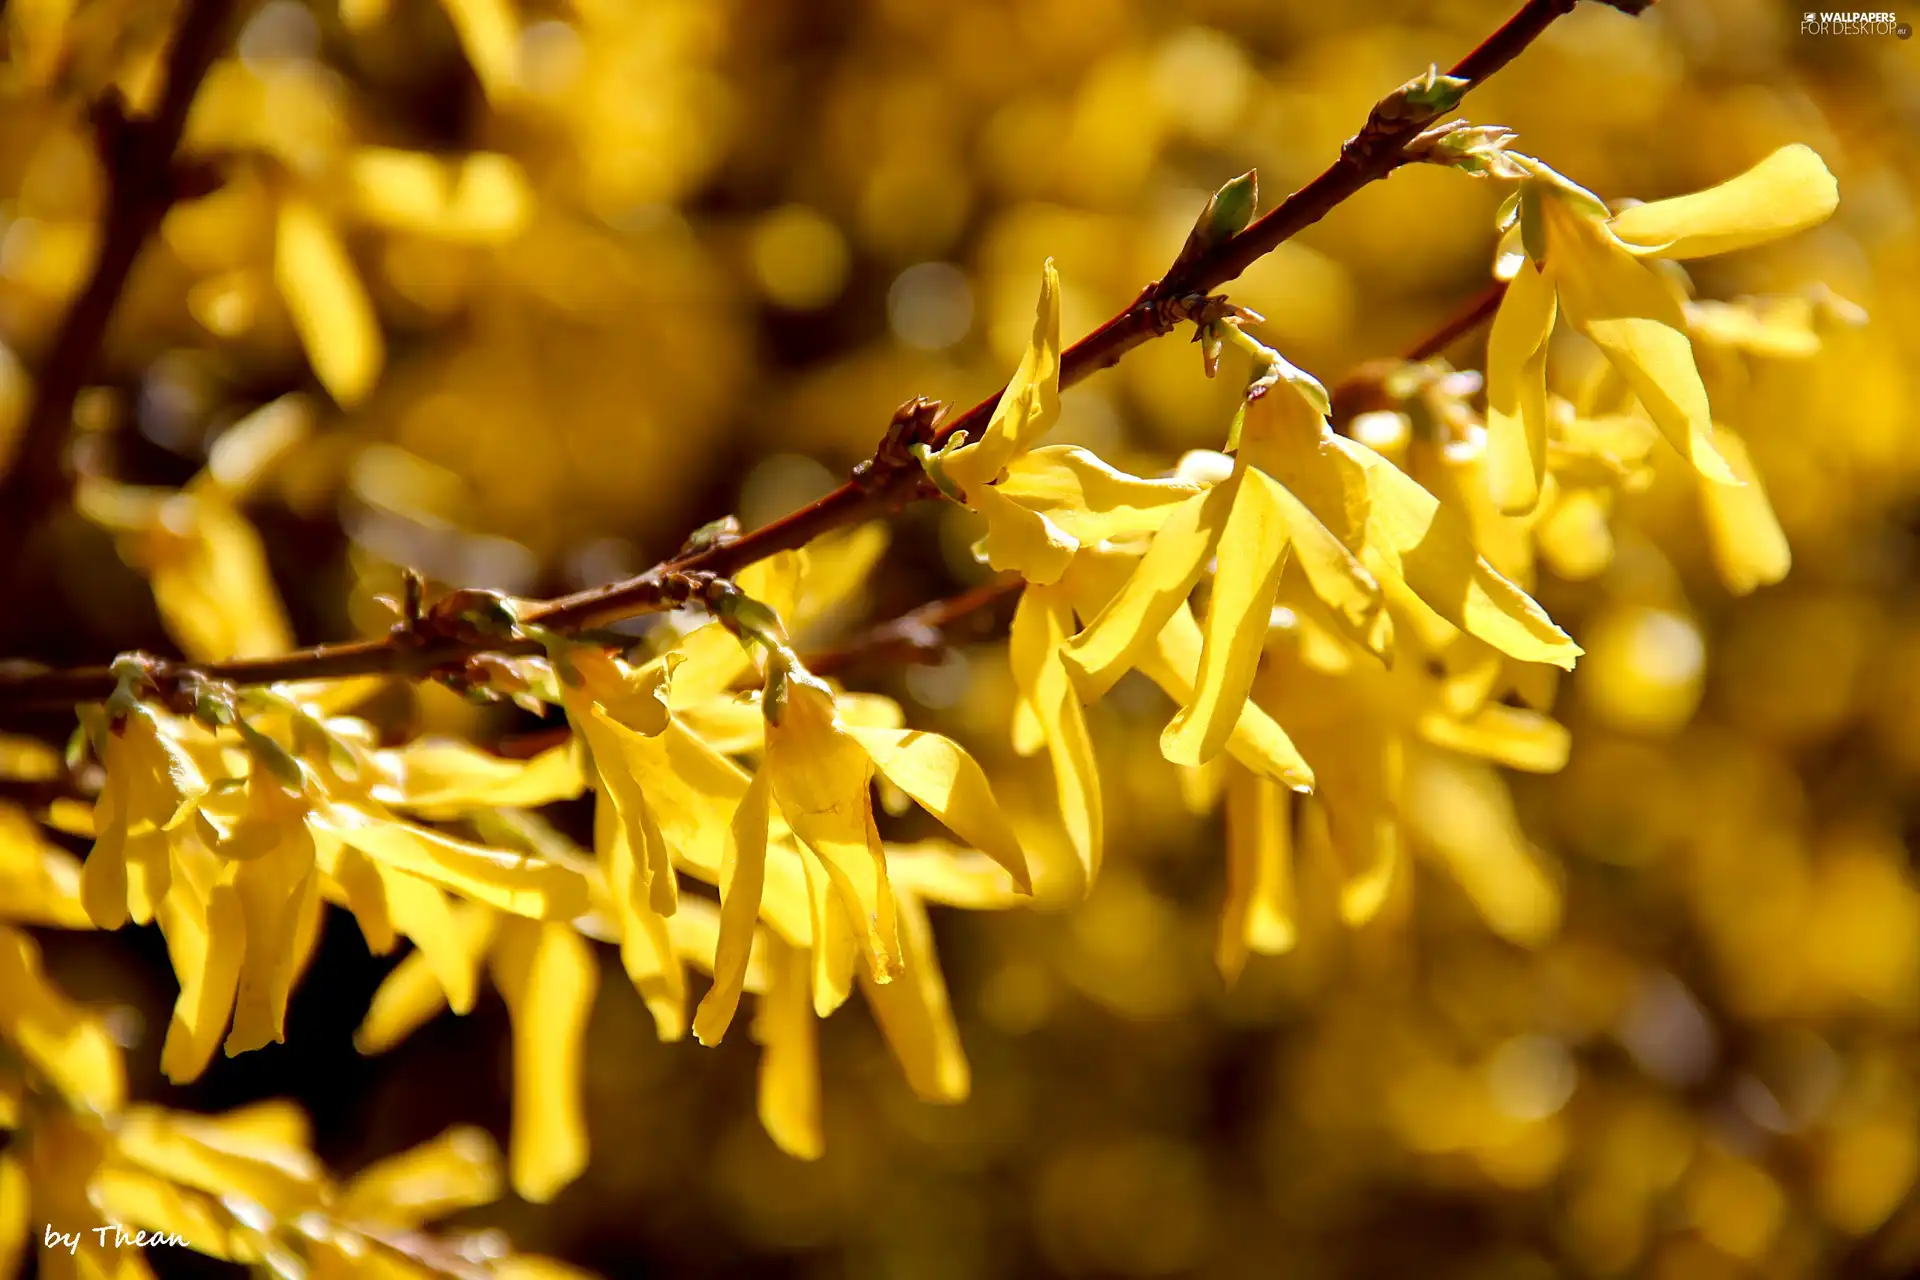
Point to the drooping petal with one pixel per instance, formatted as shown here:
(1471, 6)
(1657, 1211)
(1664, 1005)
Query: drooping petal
(646, 940)
(789, 1064)
(1462, 810)
(821, 776)
(458, 1170)
(272, 891)
(1252, 553)
(1413, 539)
(1258, 914)
(414, 993)
(1788, 191)
(916, 1016)
(1516, 458)
(424, 914)
(1510, 736)
(1112, 643)
(1638, 325)
(743, 867)
(1749, 547)
(205, 930)
(1028, 407)
(836, 945)
(1257, 741)
(948, 783)
(1042, 621)
(548, 977)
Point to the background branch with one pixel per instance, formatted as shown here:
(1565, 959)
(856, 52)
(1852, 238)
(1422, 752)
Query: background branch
(142, 184)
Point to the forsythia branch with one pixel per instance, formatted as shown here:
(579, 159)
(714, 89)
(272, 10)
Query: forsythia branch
(1370, 155)
(890, 478)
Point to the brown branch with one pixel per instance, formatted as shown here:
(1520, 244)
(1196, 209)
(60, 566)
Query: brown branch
(1364, 389)
(142, 184)
(1371, 154)
(891, 477)
(920, 636)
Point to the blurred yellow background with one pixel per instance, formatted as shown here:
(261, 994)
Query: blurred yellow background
(568, 279)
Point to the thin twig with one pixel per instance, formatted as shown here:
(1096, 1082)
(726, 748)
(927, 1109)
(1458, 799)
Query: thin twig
(889, 478)
(1370, 155)
(142, 184)
(920, 636)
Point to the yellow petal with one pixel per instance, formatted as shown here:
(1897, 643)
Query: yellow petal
(1749, 548)
(1356, 756)
(141, 1201)
(1788, 191)
(547, 975)
(1020, 541)
(272, 890)
(1510, 736)
(1638, 325)
(1462, 809)
(56, 1038)
(39, 881)
(743, 867)
(1258, 915)
(213, 588)
(1042, 621)
(836, 944)
(1087, 499)
(1337, 576)
(1252, 553)
(513, 882)
(328, 304)
(354, 881)
(1028, 407)
(490, 34)
(458, 1170)
(206, 933)
(414, 993)
(941, 871)
(199, 1152)
(821, 776)
(646, 941)
(1411, 538)
(619, 786)
(1516, 456)
(789, 1065)
(916, 1016)
(1257, 741)
(948, 783)
(438, 777)
(424, 914)
(1113, 642)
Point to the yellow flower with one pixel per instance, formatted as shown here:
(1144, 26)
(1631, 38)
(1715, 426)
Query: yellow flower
(1047, 713)
(1581, 260)
(818, 771)
(1364, 535)
(151, 788)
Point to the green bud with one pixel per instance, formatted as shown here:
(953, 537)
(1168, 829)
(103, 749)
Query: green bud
(1430, 95)
(1227, 214)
